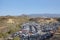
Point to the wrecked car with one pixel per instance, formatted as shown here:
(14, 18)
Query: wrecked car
(33, 31)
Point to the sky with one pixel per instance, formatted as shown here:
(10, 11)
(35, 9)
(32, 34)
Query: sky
(18, 7)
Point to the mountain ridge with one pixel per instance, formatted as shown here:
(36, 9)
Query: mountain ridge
(44, 15)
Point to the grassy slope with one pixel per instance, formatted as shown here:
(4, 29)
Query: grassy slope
(10, 26)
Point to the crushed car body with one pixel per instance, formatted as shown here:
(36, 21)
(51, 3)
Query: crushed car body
(34, 31)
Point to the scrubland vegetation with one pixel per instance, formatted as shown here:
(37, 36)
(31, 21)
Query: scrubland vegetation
(11, 24)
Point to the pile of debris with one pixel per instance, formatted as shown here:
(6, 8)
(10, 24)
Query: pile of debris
(35, 31)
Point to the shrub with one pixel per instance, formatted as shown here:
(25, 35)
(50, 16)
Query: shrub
(16, 38)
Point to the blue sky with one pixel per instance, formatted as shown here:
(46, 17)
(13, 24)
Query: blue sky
(18, 7)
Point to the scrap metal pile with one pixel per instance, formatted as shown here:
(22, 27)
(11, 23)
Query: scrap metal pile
(35, 31)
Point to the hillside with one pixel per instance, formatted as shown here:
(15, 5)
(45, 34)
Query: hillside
(11, 24)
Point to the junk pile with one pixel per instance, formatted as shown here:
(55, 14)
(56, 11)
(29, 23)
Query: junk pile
(35, 31)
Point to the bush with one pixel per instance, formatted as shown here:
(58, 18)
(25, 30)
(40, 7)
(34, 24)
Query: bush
(3, 34)
(58, 19)
(16, 38)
